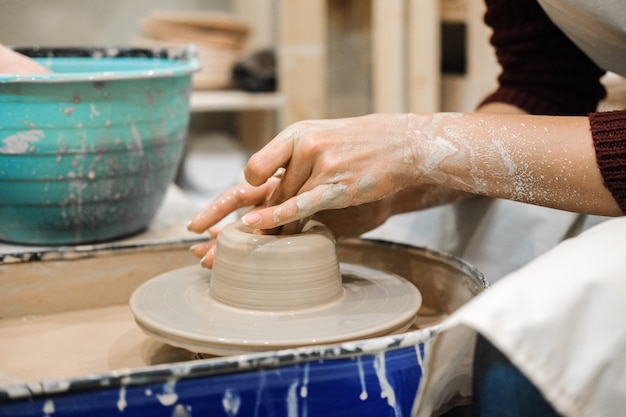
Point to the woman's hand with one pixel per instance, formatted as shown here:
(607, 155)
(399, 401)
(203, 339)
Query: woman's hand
(331, 164)
(348, 222)
(351, 221)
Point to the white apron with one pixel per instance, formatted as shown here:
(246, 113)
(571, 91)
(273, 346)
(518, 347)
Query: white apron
(561, 320)
(496, 236)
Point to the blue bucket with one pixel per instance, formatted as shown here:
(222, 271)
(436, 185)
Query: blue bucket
(88, 151)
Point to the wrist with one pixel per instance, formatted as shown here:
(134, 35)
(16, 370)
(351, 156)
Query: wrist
(433, 148)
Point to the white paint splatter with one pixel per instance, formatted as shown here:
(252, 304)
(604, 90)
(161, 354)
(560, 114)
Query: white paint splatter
(292, 400)
(48, 407)
(386, 390)
(259, 392)
(169, 396)
(420, 357)
(137, 138)
(359, 364)
(20, 142)
(231, 401)
(304, 389)
(121, 401)
(94, 111)
(167, 399)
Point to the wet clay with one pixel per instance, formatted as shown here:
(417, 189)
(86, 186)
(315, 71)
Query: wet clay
(276, 272)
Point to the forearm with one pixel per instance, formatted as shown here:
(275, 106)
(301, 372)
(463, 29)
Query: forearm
(427, 196)
(342, 163)
(543, 160)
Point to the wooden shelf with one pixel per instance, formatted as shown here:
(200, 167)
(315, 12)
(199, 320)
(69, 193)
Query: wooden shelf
(233, 100)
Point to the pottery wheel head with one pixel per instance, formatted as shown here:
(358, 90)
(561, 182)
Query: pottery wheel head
(276, 272)
(272, 292)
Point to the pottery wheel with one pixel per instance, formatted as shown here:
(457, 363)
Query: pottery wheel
(176, 308)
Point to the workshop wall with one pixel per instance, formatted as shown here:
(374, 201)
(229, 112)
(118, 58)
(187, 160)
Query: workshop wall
(85, 22)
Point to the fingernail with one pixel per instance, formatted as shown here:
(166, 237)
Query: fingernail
(189, 226)
(279, 173)
(251, 219)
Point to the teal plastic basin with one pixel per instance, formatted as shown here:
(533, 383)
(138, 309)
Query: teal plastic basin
(88, 151)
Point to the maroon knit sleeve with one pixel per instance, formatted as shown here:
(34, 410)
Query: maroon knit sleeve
(543, 72)
(608, 130)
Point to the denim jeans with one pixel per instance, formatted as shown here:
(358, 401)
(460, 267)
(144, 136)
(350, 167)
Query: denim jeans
(500, 390)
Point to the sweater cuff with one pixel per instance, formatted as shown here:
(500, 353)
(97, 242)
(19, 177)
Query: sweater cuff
(608, 130)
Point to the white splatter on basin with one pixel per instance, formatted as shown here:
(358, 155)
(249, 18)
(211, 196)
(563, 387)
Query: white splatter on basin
(87, 151)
